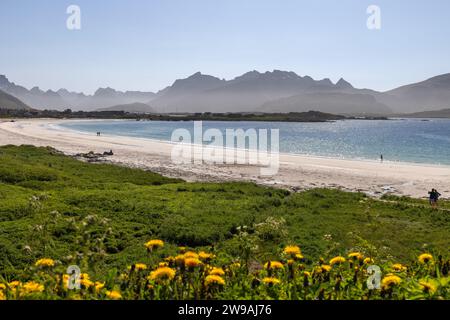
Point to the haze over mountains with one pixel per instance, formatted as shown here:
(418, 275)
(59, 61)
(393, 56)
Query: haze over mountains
(10, 102)
(276, 91)
(63, 99)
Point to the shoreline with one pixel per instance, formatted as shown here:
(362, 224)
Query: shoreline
(310, 156)
(297, 172)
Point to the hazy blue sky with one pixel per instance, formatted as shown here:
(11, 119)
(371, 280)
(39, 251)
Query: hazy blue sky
(146, 44)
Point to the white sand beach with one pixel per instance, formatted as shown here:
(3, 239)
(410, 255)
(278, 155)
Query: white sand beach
(296, 172)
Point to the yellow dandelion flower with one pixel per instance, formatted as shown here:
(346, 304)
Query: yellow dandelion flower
(205, 256)
(45, 263)
(217, 272)
(399, 267)
(14, 284)
(2, 286)
(368, 260)
(66, 279)
(274, 265)
(154, 244)
(325, 268)
(99, 285)
(306, 274)
(192, 262)
(191, 254)
(425, 258)
(390, 280)
(163, 264)
(2, 296)
(86, 283)
(214, 279)
(299, 256)
(428, 286)
(180, 259)
(140, 266)
(292, 250)
(356, 255)
(337, 260)
(162, 274)
(114, 295)
(85, 276)
(271, 281)
(32, 287)
(182, 249)
(235, 265)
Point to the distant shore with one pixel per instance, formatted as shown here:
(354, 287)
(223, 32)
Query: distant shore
(297, 172)
(309, 116)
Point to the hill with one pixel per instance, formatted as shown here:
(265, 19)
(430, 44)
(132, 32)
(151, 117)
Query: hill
(9, 102)
(336, 102)
(428, 95)
(444, 113)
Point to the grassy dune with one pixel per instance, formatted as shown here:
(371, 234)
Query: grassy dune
(98, 216)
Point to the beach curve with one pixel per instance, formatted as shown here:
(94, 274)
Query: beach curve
(297, 172)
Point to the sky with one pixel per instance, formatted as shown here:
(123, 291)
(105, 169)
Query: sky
(147, 44)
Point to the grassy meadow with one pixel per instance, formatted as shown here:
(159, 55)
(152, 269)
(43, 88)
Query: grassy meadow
(100, 216)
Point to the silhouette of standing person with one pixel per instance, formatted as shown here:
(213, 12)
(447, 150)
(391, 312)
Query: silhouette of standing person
(434, 197)
(381, 158)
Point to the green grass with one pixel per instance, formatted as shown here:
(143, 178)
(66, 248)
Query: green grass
(54, 206)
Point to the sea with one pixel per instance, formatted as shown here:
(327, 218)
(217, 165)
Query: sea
(422, 141)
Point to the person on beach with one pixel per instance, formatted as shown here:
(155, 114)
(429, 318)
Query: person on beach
(434, 197)
(381, 158)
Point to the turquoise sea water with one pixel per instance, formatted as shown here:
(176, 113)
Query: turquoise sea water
(412, 140)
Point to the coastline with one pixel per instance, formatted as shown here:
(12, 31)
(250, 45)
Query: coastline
(297, 172)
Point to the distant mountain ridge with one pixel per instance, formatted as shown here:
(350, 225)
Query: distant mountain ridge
(271, 91)
(264, 92)
(431, 94)
(444, 113)
(64, 99)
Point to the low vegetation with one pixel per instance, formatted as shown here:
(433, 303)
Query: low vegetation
(100, 217)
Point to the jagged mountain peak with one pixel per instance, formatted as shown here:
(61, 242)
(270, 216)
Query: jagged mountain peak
(36, 90)
(105, 91)
(3, 80)
(343, 84)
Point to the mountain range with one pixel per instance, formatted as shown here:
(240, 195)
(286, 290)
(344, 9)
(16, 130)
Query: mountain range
(276, 91)
(63, 99)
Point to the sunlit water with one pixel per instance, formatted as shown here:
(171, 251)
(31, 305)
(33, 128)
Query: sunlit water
(412, 140)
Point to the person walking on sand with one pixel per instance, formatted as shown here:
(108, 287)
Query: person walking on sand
(381, 158)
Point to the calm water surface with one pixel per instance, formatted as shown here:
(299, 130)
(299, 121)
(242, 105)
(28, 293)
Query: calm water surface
(412, 140)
